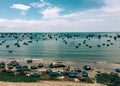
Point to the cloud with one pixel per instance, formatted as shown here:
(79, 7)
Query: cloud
(112, 6)
(41, 4)
(47, 10)
(20, 7)
(18, 25)
(103, 19)
(51, 13)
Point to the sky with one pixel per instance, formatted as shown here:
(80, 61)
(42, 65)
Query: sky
(59, 15)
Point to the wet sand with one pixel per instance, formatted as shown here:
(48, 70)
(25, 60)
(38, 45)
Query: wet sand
(107, 66)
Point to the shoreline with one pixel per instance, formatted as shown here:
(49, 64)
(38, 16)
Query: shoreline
(106, 66)
(71, 63)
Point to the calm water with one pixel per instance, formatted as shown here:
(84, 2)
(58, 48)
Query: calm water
(62, 46)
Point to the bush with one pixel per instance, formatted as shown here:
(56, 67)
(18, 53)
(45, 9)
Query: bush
(103, 78)
(109, 79)
(89, 80)
(9, 77)
(86, 79)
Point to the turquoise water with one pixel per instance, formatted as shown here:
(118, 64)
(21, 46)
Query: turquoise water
(62, 46)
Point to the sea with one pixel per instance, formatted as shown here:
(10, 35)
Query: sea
(67, 46)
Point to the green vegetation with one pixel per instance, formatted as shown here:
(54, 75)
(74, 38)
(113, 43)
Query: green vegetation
(89, 80)
(50, 78)
(53, 78)
(86, 79)
(45, 76)
(109, 79)
(103, 78)
(10, 77)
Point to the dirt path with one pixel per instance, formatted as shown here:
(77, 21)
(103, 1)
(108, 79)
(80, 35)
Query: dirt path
(49, 83)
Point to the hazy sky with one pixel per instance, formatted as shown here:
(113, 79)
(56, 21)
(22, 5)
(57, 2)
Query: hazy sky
(59, 15)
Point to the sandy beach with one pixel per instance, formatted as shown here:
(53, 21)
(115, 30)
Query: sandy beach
(49, 83)
(107, 66)
(104, 67)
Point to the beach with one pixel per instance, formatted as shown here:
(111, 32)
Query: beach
(103, 67)
(107, 66)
